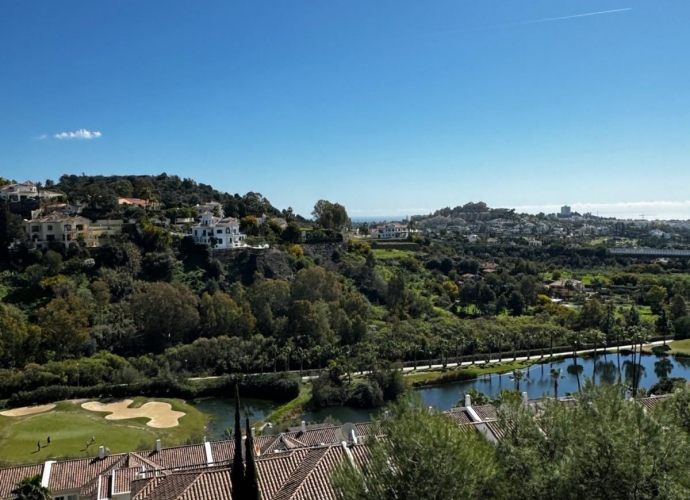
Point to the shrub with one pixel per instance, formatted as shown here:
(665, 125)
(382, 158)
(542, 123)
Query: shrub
(280, 388)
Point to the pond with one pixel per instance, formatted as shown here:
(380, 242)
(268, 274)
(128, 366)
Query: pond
(537, 382)
(222, 413)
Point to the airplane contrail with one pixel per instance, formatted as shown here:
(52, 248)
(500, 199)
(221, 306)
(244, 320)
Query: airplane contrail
(549, 19)
(524, 23)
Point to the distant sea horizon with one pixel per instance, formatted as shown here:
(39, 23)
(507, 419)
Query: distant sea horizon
(378, 218)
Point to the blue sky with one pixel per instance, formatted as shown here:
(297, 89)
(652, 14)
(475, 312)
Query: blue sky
(386, 106)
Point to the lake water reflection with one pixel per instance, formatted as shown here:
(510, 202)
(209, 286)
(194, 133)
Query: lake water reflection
(222, 413)
(536, 383)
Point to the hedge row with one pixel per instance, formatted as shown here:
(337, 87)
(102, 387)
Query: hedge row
(280, 388)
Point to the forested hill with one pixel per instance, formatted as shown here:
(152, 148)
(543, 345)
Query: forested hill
(170, 190)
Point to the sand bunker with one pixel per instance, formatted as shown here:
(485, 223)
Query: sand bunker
(161, 415)
(27, 410)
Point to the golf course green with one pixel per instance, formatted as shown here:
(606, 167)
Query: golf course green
(71, 427)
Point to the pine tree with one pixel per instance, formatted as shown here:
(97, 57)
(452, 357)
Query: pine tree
(251, 475)
(237, 477)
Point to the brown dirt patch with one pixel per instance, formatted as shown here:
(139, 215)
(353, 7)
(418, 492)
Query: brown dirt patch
(161, 415)
(26, 410)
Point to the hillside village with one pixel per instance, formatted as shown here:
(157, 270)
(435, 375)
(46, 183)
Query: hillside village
(124, 286)
(51, 215)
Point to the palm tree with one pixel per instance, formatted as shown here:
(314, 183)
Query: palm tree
(664, 326)
(575, 341)
(517, 376)
(30, 488)
(596, 337)
(300, 352)
(286, 351)
(576, 370)
(528, 339)
(317, 354)
(663, 367)
(516, 341)
(499, 344)
(617, 331)
(555, 375)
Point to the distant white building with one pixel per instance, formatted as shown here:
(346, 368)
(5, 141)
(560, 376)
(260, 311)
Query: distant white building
(70, 229)
(534, 243)
(472, 238)
(390, 231)
(19, 192)
(565, 211)
(212, 206)
(223, 232)
(656, 233)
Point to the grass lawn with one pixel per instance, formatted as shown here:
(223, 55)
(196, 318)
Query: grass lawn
(679, 347)
(426, 375)
(70, 426)
(291, 409)
(391, 254)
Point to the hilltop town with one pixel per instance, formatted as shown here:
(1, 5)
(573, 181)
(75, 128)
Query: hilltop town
(169, 292)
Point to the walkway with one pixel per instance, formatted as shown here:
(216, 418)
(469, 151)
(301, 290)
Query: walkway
(507, 358)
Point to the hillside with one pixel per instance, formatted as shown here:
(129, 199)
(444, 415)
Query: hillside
(151, 303)
(101, 193)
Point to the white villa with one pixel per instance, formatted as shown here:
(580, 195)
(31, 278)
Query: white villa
(25, 191)
(225, 232)
(390, 231)
(211, 206)
(19, 192)
(66, 230)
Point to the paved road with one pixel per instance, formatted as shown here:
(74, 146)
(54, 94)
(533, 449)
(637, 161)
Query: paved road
(506, 358)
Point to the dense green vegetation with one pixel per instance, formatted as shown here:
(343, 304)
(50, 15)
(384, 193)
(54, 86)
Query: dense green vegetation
(153, 305)
(601, 446)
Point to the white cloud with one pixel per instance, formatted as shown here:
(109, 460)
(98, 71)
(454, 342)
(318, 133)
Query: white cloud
(79, 134)
(41, 137)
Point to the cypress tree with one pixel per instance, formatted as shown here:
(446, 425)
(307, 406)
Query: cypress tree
(251, 475)
(237, 473)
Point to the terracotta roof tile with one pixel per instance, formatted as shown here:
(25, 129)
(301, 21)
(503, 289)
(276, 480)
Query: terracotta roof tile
(274, 470)
(295, 481)
(214, 485)
(460, 417)
(75, 474)
(486, 412)
(142, 487)
(651, 402)
(10, 477)
(496, 429)
(181, 456)
(168, 487)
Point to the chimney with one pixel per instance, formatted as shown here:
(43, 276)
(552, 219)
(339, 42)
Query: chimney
(253, 432)
(158, 445)
(525, 400)
(304, 426)
(101, 452)
(468, 400)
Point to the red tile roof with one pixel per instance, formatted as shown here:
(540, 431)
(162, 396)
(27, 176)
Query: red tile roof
(10, 477)
(181, 456)
(74, 474)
